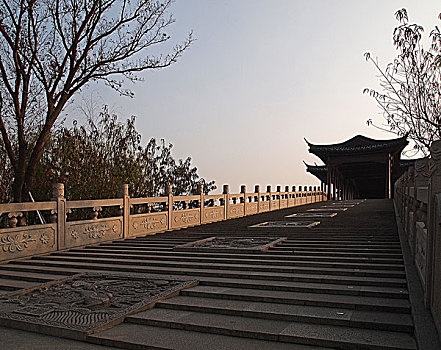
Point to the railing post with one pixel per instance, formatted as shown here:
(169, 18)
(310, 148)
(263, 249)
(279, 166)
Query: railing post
(293, 189)
(268, 189)
(170, 206)
(257, 190)
(279, 188)
(124, 193)
(201, 203)
(243, 189)
(226, 192)
(287, 196)
(58, 196)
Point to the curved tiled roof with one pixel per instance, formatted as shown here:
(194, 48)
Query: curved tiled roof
(358, 144)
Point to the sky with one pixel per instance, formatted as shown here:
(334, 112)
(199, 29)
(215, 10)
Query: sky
(263, 75)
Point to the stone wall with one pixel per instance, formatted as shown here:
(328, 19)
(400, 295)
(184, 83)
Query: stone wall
(418, 202)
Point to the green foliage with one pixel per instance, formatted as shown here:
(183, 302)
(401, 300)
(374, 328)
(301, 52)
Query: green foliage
(94, 160)
(410, 95)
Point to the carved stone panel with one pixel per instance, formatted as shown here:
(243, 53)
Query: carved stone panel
(327, 210)
(28, 240)
(144, 224)
(311, 215)
(213, 214)
(79, 233)
(263, 206)
(251, 208)
(235, 211)
(275, 205)
(420, 250)
(185, 218)
(291, 202)
(86, 303)
(231, 244)
(283, 203)
(286, 224)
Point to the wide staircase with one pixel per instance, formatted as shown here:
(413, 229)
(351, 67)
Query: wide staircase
(341, 284)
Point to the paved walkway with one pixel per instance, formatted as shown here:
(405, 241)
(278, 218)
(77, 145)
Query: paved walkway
(339, 285)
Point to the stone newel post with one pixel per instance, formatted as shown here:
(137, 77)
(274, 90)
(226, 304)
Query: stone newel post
(169, 193)
(226, 192)
(257, 198)
(58, 196)
(124, 194)
(202, 203)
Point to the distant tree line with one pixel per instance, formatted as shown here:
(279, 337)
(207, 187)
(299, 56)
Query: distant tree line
(94, 159)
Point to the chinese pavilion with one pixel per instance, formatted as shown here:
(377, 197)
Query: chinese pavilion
(360, 167)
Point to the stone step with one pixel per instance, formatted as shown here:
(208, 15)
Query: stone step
(282, 331)
(243, 260)
(337, 279)
(30, 276)
(255, 267)
(298, 298)
(11, 285)
(293, 313)
(323, 288)
(132, 336)
(339, 289)
(377, 258)
(347, 245)
(282, 248)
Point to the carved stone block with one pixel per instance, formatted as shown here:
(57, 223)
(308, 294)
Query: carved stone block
(421, 250)
(231, 244)
(235, 211)
(275, 205)
(286, 224)
(144, 224)
(85, 303)
(251, 208)
(263, 206)
(185, 218)
(79, 233)
(213, 214)
(25, 241)
(312, 215)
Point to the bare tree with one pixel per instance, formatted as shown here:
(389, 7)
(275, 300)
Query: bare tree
(50, 49)
(410, 95)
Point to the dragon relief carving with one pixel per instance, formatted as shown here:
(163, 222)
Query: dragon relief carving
(88, 301)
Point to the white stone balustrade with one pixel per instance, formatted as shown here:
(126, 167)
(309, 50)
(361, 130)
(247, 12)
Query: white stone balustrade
(118, 218)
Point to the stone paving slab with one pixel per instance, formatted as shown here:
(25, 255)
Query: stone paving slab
(141, 337)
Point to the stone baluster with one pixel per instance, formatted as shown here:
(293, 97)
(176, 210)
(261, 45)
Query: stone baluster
(13, 218)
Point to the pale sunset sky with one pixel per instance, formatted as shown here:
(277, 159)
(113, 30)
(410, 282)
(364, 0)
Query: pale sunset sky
(261, 76)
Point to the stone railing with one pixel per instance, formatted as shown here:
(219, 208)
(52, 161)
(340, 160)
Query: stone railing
(418, 202)
(79, 223)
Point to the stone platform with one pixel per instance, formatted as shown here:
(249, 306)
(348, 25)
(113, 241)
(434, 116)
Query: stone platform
(341, 284)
